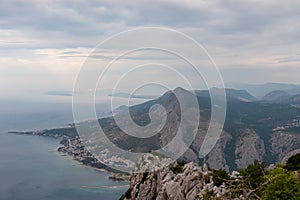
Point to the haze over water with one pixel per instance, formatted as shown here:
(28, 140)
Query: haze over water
(31, 167)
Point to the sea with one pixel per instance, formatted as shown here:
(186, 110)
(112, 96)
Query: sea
(32, 168)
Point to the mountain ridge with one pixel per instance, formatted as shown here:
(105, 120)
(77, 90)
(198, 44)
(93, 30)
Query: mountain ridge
(264, 131)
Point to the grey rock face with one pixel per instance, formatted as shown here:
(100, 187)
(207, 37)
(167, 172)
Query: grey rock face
(284, 143)
(192, 182)
(248, 148)
(216, 158)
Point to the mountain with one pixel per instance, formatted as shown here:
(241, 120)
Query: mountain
(294, 91)
(242, 95)
(295, 100)
(231, 94)
(284, 97)
(277, 96)
(260, 90)
(264, 131)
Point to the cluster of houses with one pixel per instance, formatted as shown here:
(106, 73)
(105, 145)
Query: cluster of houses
(292, 124)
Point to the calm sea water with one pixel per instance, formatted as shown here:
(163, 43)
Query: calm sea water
(31, 168)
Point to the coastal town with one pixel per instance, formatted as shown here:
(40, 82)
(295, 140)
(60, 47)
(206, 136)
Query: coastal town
(73, 146)
(295, 123)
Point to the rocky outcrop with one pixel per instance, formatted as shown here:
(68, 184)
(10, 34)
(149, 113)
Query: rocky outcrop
(176, 182)
(283, 143)
(249, 147)
(216, 158)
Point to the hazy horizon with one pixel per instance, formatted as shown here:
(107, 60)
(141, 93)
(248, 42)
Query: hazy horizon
(44, 44)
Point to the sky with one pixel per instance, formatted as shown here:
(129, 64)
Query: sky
(43, 44)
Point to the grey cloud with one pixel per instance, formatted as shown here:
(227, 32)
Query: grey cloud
(82, 19)
(245, 28)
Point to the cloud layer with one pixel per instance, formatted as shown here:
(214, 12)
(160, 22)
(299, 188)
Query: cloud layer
(44, 43)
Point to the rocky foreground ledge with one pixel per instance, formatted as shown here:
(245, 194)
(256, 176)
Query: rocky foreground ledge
(177, 182)
(181, 181)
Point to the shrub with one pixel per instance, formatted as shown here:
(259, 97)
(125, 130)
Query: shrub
(220, 176)
(293, 163)
(284, 185)
(206, 178)
(209, 195)
(154, 195)
(178, 168)
(254, 174)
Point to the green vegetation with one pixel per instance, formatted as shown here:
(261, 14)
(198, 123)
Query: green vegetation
(254, 174)
(254, 182)
(220, 176)
(178, 168)
(206, 178)
(209, 195)
(161, 156)
(293, 163)
(154, 195)
(283, 185)
(257, 182)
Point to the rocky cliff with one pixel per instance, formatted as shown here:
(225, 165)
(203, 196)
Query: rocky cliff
(181, 181)
(176, 182)
(234, 153)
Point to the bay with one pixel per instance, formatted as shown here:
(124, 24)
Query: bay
(32, 168)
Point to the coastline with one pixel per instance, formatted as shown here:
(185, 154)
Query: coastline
(72, 146)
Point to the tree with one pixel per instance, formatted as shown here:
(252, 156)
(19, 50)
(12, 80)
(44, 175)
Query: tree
(283, 185)
(220, 176)
(254, 174)
(293, 163)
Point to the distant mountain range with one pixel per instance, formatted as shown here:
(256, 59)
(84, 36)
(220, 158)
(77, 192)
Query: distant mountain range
(242, 95)
(280, 96)
(255, 129)
(276, 96)
(260, 90)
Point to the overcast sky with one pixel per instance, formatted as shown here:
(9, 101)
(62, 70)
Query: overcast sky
(43, 44)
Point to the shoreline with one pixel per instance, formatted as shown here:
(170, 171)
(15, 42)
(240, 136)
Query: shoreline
(72, 146)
